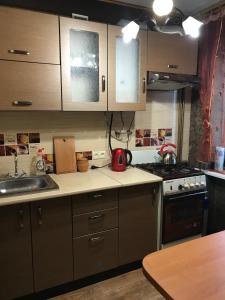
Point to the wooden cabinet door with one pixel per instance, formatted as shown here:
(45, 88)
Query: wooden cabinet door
(29, 36)
(172, 53)
(84, 65)
(138, 210)
(16, 277)
(52, 242)
(29, 86)
(126, 71)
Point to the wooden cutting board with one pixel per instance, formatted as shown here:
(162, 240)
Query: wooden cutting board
(65, 155)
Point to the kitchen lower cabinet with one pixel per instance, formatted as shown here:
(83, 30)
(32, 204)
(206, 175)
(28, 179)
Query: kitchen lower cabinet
(52, 242)
(216, 205)
(138, 210)
(95, 253)
(16, 273)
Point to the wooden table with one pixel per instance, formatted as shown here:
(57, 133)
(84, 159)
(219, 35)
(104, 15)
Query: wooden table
(194, 270)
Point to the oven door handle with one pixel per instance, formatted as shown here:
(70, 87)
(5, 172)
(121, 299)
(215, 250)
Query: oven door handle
(188, 195)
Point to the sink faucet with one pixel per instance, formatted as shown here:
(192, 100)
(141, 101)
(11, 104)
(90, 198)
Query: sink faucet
(15, 164)
(16, 173)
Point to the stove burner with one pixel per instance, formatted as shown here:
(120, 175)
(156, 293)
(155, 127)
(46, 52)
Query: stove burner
(170, 171)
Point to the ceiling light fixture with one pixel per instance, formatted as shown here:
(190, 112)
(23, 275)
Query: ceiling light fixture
(162, 7)
(192, 27)
(130, 31)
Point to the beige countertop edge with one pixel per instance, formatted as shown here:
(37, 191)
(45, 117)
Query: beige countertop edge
(215, 174)
(106, 179)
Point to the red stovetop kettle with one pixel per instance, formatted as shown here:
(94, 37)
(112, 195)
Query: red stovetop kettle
(121, 158)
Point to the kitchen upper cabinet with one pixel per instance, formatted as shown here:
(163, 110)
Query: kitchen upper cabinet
(16, 274)
(126, 71)
(84, 65)
(172, 53)
(29, 36)
(29, 86)
(52, 242)
(138, 211)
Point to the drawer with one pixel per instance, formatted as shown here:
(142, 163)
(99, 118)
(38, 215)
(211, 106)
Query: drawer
(95, 222)
(96, 201)
(29, 86)
(29, 36)
(95, 253)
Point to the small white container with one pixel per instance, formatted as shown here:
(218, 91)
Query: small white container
(219, 158)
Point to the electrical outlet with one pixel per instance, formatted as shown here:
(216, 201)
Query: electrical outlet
(101, 154)
(95, 155)
(98, 154)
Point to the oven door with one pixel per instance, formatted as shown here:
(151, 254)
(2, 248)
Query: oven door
(182, 216)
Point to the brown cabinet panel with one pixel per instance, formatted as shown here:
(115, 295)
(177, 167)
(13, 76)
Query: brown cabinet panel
(16, 277)
(95, 253)
(29, 86)
(52, 242)
(96, 201)
(137, 222)
(95, 222)
(172, 53)
(30, 32)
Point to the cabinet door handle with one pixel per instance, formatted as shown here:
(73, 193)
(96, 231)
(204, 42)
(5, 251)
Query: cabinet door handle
(40, 221)
(21, 218)
(144, 85)
(96, 218)
(22, 103)
(153, 196)
(96, 196)
(173, 66)
(16, 51)
(96, 240)
(103, 83)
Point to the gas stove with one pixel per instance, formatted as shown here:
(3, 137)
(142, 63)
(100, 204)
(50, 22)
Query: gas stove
(167, 172)
(179, 178)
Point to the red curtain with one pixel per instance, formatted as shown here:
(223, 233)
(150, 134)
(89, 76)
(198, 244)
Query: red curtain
(209, 70)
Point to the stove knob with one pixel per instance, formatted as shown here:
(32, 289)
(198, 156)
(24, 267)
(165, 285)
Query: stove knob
(186, 186)
(180, 187)
(192, 185)
(197, 184)
(202, 183)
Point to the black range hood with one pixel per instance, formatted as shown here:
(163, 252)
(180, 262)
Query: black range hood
(170, 82)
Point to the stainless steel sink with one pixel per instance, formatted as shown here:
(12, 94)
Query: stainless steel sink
(26, 185)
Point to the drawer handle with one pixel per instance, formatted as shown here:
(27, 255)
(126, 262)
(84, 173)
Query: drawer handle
(144, 85)
(40, 222)
(97, 196)
(173, 66)
(96, 240)
(22, 103)
(21, 215)
(103, 83)
(96, 217)
(21, 52)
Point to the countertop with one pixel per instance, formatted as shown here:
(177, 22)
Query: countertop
(78, 183)
(214, 173)
(192, 270)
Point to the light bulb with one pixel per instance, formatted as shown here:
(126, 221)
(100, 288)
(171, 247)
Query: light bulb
(192, 27)
(162, 7)
(130, 31)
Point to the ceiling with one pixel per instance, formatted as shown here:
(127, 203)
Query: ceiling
(188, 7)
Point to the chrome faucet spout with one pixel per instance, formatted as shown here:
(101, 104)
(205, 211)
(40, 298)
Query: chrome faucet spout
(16, 174)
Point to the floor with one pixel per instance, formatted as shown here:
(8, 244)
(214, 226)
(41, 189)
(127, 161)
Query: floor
(129, 286)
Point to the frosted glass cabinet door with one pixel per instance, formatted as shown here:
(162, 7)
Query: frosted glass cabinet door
(84, 65)
(127, 71)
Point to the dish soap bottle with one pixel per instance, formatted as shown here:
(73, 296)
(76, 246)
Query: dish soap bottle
(40, 163)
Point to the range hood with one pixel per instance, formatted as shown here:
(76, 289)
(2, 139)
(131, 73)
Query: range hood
(170, 82)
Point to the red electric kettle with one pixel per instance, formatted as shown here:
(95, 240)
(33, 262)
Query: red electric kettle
(119, 159)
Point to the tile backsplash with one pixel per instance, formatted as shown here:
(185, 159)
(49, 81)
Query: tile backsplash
(88, 128)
